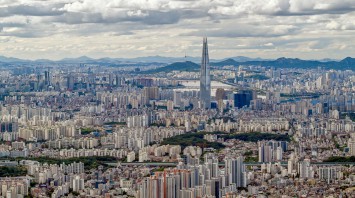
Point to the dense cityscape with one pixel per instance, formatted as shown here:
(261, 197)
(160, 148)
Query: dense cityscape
(177, 99)
(89, 130)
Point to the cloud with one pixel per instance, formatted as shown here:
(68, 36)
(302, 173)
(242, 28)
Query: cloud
(252, 25)
(233, 29)
(344, 22)
(285, 7)
(27, 10)
(268, 45)
(144, 17)
(160, 12)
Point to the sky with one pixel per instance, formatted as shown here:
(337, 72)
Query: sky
(56, 29)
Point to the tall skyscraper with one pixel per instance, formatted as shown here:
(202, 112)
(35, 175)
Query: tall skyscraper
(243, 98)
(46, 77)
(151, 93)
(177, 98)
(70, 82)
(205, 80)
(235, 171)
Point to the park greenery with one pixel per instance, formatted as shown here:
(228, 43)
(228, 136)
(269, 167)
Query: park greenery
(256, 136)
(340, 159)
(115, 123)
(251, 159)
(248, 153)
(248, 156)
(160, 169)
(12, 171)
(191, 139)
(86, 131)
(196, 139)
(89, 162)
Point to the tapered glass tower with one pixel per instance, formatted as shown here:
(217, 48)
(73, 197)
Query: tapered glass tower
(205, 80)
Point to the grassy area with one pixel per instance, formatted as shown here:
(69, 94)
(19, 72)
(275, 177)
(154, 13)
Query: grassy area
(248, 157)
(191, 139)
(251, 159)
(248, 153)
(86, 131)
(158, 169)
(340, 159)
(257, 136)
(12, 171)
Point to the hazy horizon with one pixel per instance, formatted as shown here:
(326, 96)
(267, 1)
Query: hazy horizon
(174, 57)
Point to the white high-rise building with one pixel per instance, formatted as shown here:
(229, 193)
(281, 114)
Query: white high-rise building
(328, 174)
(78, 184)
(305, 169)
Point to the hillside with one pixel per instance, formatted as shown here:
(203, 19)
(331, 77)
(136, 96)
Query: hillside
(179, 66)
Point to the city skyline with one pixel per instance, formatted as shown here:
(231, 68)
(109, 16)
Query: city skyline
(284, 28)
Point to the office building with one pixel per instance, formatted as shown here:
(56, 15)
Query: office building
(243, 98)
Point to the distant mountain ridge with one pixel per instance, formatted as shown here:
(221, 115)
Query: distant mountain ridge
(5, 59)
(147, 59)
(347, 63)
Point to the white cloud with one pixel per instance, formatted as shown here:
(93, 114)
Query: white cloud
(153, 26)
(333, 25)
(268, 45)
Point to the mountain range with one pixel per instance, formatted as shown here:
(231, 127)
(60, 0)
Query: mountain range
(147, 59)
(347, 63)
(183, 63)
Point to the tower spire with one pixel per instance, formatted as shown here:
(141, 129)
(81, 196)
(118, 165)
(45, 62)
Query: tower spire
(205, 80)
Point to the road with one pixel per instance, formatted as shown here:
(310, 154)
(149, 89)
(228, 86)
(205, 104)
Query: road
(169, 164)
